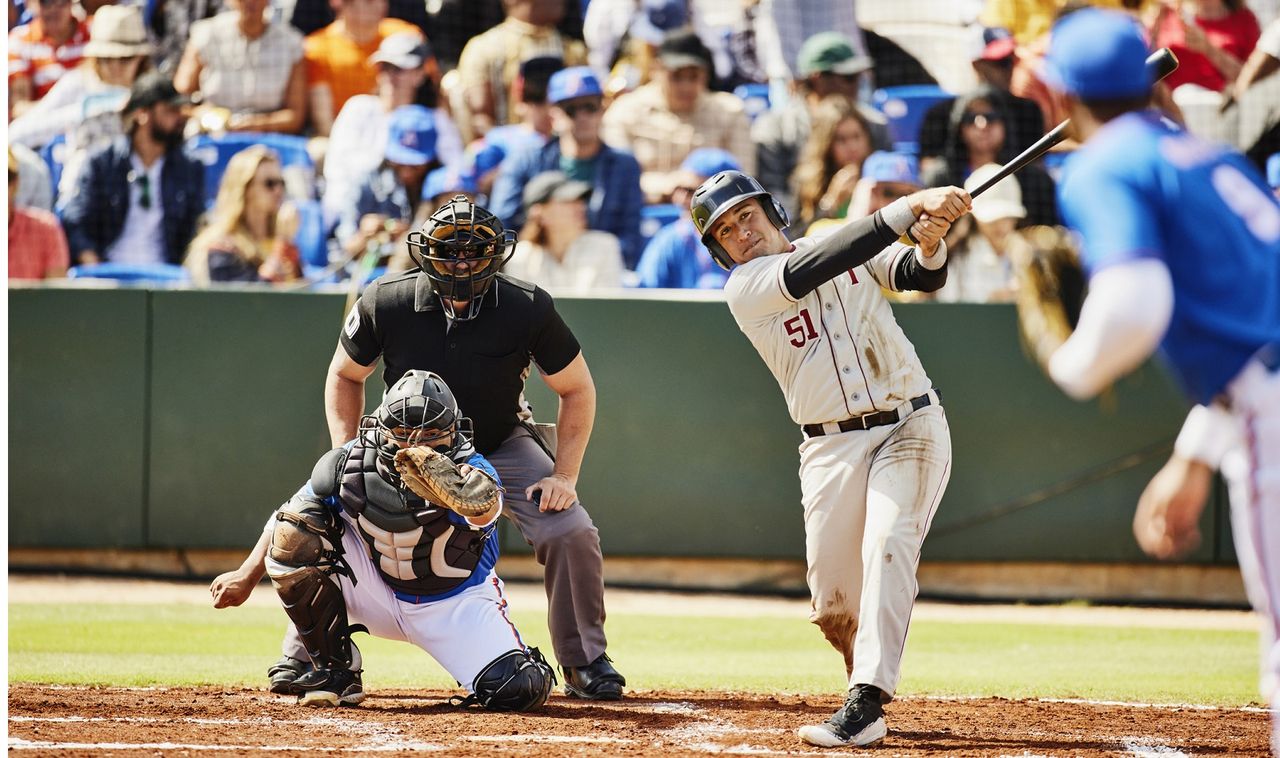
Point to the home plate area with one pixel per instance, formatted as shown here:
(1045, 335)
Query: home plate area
(91, 721)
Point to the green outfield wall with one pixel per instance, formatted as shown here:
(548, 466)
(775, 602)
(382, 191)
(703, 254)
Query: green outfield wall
(179, 419)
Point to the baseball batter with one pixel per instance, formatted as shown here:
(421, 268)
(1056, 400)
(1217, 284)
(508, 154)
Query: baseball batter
(1181, 241)
(358, 544)
(876, 454)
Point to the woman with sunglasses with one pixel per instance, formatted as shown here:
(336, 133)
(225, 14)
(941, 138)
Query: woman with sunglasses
(249, 236)
(979, 132)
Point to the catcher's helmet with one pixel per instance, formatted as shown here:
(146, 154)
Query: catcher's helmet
(461, 248)
(720, 193)
(419, 409)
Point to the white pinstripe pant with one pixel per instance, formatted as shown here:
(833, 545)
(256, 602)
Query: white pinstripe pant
(869, 498)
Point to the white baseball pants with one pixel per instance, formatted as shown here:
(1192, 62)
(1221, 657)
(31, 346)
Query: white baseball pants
(869, 498)
(464, 633)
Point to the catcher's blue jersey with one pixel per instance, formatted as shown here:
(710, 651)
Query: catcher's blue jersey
(1143, 188)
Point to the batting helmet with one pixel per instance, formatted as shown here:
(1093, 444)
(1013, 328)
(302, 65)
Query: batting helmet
(461, 249)
(419, 409)
(720, 193)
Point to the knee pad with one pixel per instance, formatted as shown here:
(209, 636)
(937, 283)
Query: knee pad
(515, 681)
(303, 560)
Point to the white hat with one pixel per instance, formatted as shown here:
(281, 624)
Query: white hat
(117, 31)
(1004, 200)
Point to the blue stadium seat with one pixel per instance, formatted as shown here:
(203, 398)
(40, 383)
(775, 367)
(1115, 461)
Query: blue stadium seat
(654, 217)
(216, 152)
(131, 272)
(52, 153)
(312, 242)
(904, 107)
(755, 97)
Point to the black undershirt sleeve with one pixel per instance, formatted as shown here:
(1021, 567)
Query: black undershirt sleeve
(851, 245)
(910, 275)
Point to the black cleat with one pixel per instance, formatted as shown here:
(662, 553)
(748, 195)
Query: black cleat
(860, 721)
(330, 687)
(285, 672)
(598, 680)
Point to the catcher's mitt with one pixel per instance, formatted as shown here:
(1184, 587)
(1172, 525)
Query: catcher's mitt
(435, 478)
(1051, 289)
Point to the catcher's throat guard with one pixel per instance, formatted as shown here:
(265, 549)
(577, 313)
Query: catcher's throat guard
(719, 194)
(461, 249)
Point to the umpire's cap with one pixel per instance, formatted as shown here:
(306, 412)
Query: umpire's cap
(719, 194)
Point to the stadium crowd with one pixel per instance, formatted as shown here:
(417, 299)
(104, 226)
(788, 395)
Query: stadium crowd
(298, 141)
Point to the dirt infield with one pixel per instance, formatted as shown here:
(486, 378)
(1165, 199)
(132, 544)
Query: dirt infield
(78, 721)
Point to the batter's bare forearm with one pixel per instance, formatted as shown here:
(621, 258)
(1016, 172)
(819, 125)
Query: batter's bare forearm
(343, 407)
(573, 430)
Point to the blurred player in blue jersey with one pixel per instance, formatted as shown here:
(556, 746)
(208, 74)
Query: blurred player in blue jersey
(1181, 242)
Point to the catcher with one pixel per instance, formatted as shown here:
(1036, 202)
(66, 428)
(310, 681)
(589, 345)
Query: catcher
(394, 535)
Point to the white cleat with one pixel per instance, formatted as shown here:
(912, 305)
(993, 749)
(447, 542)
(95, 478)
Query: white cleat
(825, 735)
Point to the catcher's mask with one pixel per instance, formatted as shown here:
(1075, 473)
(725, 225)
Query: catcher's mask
(719, 194)
(461, 248)
(420, 409)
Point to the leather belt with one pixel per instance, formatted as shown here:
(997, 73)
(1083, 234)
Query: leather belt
(879, 418)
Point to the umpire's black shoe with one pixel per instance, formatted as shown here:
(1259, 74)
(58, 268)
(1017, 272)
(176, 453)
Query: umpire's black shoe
(860, 721)
(598, 680)
(285, 672)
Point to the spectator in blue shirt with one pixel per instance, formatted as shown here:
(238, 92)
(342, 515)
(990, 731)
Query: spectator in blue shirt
(389, 197)
(675, 257)
(577, 108)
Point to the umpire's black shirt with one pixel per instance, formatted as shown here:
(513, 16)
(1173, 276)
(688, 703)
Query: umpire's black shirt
(484, 360)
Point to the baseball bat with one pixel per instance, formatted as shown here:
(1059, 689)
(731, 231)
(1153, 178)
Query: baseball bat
(1160, 64)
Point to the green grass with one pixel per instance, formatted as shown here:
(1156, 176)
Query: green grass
(189, 645)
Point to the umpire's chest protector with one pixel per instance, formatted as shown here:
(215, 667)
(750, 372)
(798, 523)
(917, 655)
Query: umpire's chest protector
(415, 546)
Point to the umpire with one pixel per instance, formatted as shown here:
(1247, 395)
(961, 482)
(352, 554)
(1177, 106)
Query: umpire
(479, 330)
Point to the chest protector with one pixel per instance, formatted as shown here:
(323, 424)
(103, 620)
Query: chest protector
(414, 545)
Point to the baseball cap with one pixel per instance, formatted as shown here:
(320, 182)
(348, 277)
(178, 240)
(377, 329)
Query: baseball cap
(885, 166)
(706, 162)
(411, 136)
(571, 83)
(448, 180)
(681, 49)
(404, 50)
(830, 52)
(151, 88)
(1097, 55)
(992, 43)
(554, 185)
(1003, 200)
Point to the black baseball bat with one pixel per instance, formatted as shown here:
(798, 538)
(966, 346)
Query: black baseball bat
(1160, 64)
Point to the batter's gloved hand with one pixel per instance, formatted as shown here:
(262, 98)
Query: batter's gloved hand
(1051, 289)
(434, 477)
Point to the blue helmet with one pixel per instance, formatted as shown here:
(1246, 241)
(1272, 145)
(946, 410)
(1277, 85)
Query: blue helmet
(720, 193)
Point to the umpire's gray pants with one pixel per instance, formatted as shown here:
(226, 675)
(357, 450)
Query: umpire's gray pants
(565, 543)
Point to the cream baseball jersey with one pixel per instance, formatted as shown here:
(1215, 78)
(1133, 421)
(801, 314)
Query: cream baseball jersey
(837, 352)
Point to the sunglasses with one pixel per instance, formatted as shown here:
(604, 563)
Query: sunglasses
(144, 189)
(981, 118)
(846, 78)
(573, 109)
(273, 183)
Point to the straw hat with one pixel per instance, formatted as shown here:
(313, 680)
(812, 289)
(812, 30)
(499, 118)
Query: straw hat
(117, 32)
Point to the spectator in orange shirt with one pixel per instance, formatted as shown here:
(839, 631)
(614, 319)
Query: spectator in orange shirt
(337, 57)
(37, 244)
(42, 51)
